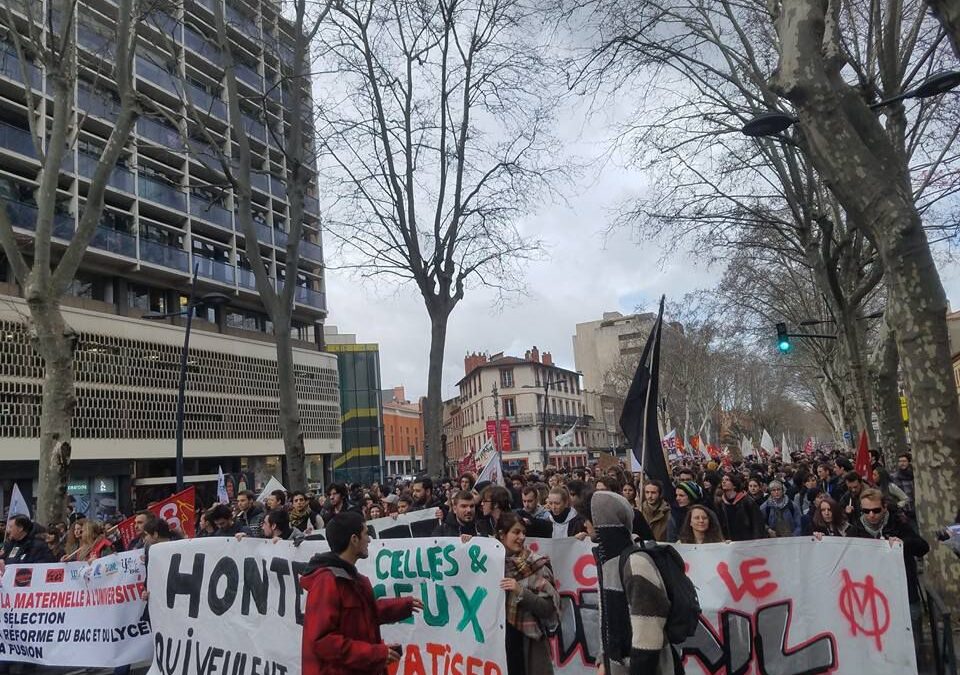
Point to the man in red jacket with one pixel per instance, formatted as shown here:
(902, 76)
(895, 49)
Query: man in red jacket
(341, 624)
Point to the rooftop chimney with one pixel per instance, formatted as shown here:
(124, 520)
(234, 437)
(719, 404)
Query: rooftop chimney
(472, 361)
(535, 354)
(547, 359)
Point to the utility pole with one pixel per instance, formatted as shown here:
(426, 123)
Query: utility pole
(496, 417)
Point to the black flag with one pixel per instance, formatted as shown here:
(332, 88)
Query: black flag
(639, 417)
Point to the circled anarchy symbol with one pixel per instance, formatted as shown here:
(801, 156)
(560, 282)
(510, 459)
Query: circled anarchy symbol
(865, 608)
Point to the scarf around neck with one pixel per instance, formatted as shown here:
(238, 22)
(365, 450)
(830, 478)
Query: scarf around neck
(875, 532)
(534, 574)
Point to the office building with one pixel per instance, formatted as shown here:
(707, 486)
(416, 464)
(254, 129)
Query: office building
(165, 214)
(361, 408)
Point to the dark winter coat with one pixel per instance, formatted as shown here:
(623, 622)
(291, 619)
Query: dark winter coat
(740, 518)
(252, 519)
(27, 551)
(341, 622)
(451, 527)
(914, 546)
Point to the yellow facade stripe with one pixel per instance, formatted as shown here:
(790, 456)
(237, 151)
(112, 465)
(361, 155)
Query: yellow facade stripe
(359, 412)
(368, 347)
(368, 451)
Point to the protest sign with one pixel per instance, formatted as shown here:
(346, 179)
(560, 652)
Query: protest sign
(237, 606)
(406, 525)
(179, 510)
(75, 614)
(845, 609)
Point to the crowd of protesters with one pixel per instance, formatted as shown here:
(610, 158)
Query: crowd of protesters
(704, 502)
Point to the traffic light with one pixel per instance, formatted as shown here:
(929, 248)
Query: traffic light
(783, 339)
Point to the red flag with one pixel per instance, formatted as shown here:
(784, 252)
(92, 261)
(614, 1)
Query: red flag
(862, 465)
(808, 446)
(179, 510)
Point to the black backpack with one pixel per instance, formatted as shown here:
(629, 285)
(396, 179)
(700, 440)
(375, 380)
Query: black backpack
(684, 612)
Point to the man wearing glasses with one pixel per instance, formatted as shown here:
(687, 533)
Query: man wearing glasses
(876, 522)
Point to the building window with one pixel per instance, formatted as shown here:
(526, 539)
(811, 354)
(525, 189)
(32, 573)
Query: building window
(506, 378)
(509, 407)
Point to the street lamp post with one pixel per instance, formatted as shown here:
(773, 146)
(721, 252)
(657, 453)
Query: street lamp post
(774, 122)
(211, 299)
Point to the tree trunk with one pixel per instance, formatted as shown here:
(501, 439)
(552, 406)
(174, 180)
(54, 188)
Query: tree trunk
(948, 13)
(861, 401)
(886, 391)
(295, 464)
(54, 340)
(433, 412)
(851, 150)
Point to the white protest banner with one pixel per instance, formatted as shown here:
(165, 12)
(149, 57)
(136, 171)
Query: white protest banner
(406, 525)
(75, 614)
(219, 605)
(844, 610)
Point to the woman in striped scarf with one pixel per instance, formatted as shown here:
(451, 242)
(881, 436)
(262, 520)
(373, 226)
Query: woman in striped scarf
(533, 604)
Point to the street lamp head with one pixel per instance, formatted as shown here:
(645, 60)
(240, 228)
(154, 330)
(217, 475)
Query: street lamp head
(938, 83)
(214, 299)
(768, 124)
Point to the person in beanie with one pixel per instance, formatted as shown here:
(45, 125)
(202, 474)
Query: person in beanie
(688, 493)
(342, 619)
(638, 599)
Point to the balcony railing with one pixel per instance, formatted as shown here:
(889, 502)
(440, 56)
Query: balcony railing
(554, 419)
(214, 269)
(160, 133)
(21, 214)
(248, 75)
(260, 181)
(162, 193)
(246, 279)
(308, 296)
(120, 178)
(205, 102)
(163, 254)
(242, 22)
(200, 45)
(10, 67)
(95, 41)
(311, 205)
(16, 139)
(210, 212)
(255, 128)
(279, 189)
(280, 237)
(157, 75)
(98, 103)
(311, 251)
(115, 241)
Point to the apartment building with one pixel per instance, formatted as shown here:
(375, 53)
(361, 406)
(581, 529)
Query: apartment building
(403, 433)
(166, 213)
(534, 395)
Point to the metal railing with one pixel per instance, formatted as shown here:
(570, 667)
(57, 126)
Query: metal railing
(163, 254)
(939, 621)
(215, 269)
(311, 251)
(17, 139)
(210, 212)
(162, 193)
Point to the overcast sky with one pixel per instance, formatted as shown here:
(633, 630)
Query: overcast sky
(586, 272)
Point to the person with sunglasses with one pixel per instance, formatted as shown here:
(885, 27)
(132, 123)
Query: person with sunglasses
(876, 522)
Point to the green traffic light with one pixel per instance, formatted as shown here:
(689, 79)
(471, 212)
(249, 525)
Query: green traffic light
(784, 346)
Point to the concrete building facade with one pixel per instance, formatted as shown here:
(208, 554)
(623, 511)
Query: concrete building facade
(602, 351)
(166, 215)
(522, 385)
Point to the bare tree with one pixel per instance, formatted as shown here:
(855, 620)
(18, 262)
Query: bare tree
(435, 131)
(45, 35)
